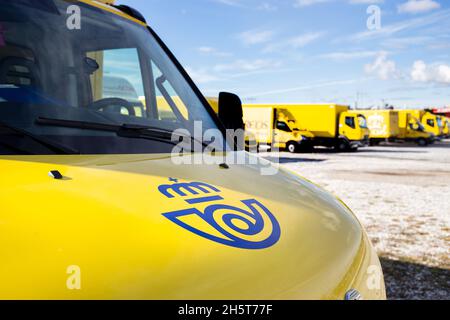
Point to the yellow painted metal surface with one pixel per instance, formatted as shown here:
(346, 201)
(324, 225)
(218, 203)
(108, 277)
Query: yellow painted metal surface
(106, 218)
(105, 5)
(409, 122)
(108, 226)
(322, 120)
(427, 119)
(259, 122)
(355, 133)
(446, 126)
(383, 124)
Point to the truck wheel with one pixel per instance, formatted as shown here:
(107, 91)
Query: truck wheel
(292, 147)
(422, 142)
(341, 146)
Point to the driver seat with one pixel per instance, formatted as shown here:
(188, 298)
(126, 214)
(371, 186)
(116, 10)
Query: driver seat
(19, 72)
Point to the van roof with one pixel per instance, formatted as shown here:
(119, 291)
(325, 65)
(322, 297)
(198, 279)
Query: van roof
(298, 104)
(107, 6)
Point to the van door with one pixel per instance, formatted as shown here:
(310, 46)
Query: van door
(283, 133)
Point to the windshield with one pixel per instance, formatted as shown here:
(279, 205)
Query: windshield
(101, 68)
(417, 125)
(362, 121)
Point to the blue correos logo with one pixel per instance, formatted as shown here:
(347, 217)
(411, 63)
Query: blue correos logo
(251, 227)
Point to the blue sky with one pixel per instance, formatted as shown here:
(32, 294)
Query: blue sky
(311, 50)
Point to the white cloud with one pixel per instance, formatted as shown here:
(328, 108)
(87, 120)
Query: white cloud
(213, 52)
(307, 87)
(405, 42)
(304, 39)
(341, 56)
(201, 75)
(266, 6)
(435, 73)
(410, 24)
(366, 1)
(252, 37)
(418, 6)
(295, 42)
(233, 3)
(307, 3)
(382, 67)
(247, 65)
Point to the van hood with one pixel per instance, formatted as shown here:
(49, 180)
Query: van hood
(143, 227)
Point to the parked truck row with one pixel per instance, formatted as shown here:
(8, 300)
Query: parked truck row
(301, 127)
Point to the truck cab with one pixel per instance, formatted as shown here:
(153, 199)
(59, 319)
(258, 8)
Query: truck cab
(288, 135)
(412, 129)
(353, 130)
(432, 123)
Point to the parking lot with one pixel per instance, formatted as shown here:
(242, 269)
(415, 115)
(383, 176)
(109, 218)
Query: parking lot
(400, 193)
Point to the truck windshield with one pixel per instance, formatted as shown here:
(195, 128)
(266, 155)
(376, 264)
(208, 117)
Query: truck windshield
(417, 125)
(362, 122)
(75, 76)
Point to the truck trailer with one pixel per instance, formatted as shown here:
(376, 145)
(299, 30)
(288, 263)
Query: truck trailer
(383, 124)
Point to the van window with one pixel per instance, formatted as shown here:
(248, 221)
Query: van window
(91, 90)
(283, 126)
(430, 122)
(168, 103)
(119, 76)
(350, 121)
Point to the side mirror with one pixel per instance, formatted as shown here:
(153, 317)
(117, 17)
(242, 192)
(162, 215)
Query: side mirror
(230, 111)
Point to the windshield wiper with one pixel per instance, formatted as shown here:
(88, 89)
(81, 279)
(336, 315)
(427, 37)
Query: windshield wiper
(50, 144)
(122, 130)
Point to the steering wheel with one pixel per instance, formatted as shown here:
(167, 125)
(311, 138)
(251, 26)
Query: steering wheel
(113, 103)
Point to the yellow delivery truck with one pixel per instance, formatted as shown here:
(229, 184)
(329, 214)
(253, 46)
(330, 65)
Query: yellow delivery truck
(275, 127)
(412, 129)
(383, 124)
(268, 126)
(95, 203)
(332, 125)
(431, 122)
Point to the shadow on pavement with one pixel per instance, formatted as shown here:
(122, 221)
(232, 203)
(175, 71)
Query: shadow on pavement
(381, 150)
(282, 160)
(378, 149)
(410, 281)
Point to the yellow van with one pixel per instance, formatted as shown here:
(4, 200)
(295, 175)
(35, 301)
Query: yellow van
(94, 203)
(412, 129)
(431, 122)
